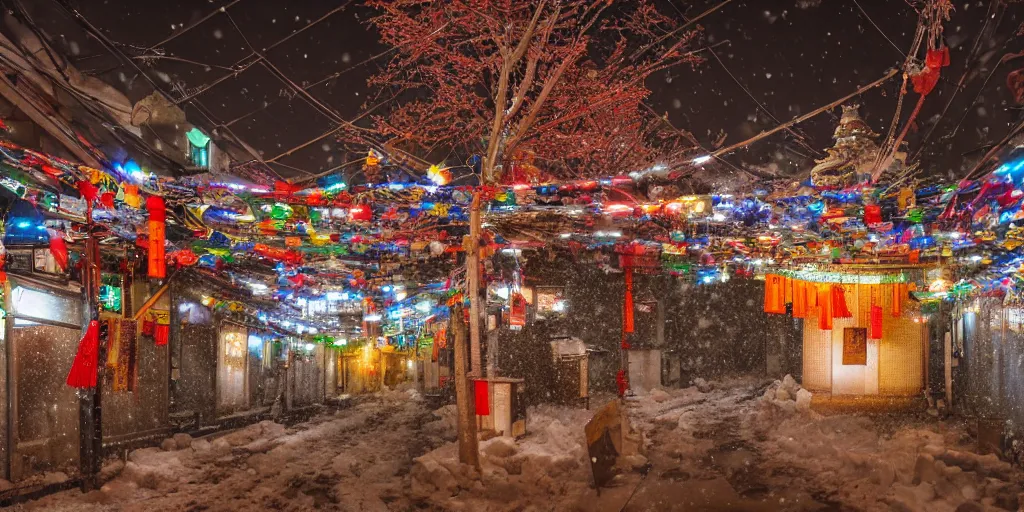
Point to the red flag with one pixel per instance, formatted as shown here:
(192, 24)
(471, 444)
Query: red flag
(482, 399)
(875, 332)
(83, 369)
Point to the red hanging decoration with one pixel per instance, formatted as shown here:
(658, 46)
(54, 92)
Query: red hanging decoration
(872, 214)
(88, 191)
(161, 335)
(839, 309)
(107, 199)
(83, 369)
(157, 237)
(482, 399)
(59, 249)
(824, 307)
(622, 382)
(926, 80)
(875, 331)
(517, 310)
(627, 303)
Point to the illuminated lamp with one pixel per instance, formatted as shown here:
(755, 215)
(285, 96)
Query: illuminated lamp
(360, 213)
(439, 176)
(25, 225)
(618, 209)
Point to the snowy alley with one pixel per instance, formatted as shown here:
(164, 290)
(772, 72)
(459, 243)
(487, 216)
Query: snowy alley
(741, 445)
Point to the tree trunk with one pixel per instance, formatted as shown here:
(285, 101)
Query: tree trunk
(473, 286)
(469, 451)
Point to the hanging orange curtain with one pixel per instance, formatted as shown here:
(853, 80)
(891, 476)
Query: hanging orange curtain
(875, 327)
(799, 289)
(811, 295)
(839, 309)
(899, 294)
(774, 294)
(825, 307)
(787, 285)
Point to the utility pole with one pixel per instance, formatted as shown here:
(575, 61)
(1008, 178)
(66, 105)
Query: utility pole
(469, 451)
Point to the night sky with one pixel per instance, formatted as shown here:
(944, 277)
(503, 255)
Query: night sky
(791, 55)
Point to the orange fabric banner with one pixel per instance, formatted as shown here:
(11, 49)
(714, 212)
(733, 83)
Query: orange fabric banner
(825, 307)
(799, 298)
(157, 235)
(839, 309)
(774, 295)
(787, 285)
(899, 294)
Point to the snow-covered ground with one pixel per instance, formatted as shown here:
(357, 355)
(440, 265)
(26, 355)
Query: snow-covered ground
(737, 445)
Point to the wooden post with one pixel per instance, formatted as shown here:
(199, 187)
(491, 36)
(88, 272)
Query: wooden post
(469, 451)
(91, 413)
(473, 285)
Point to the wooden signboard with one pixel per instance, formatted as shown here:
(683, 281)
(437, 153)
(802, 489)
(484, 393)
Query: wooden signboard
(855, 346)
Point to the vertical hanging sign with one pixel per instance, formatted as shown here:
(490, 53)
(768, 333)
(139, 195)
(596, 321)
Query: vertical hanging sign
(157, 236)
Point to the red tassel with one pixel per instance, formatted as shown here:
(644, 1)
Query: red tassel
(839, 309)
(83, 369)
(875, 332)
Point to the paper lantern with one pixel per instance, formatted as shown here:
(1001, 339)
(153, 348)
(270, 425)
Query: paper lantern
(157, 237)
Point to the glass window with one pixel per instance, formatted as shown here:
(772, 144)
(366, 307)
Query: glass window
(43, 305)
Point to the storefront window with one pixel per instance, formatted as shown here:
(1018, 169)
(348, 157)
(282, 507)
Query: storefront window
(231, 380)
(41, 305)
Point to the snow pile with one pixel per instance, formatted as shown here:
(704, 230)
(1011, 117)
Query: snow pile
(548, 465)
(913, 469)
(787, 395)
